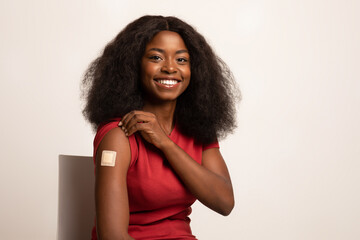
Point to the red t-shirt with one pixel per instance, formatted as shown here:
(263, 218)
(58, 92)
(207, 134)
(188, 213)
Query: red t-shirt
(159, 203)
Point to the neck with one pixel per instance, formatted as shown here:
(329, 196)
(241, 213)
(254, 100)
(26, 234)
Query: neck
(164, 113)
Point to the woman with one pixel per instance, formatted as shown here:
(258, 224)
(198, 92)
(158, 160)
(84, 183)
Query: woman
(172, 98)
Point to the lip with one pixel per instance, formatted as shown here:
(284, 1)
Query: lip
(163, 86)
(167, 78)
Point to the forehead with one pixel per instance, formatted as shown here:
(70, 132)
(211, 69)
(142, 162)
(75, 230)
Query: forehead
(167, 40)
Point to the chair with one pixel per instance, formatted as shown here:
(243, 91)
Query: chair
(76, 209)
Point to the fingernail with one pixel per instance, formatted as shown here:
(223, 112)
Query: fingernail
(120, 123)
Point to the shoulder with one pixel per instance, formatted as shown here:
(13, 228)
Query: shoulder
(103, 129)
(110, 137)
(114, 140)
(214, 144)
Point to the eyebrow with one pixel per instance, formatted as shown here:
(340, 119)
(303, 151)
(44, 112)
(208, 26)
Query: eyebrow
(162, 51)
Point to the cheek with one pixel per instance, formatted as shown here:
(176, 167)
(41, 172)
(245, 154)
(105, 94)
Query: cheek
(144, 73)
(187, 73)
(147, 73)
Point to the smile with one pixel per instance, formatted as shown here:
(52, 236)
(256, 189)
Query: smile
(167, 83)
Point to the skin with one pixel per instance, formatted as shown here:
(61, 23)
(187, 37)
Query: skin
(165, 57)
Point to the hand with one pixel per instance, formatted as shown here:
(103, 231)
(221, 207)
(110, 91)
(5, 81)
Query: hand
(148, 126)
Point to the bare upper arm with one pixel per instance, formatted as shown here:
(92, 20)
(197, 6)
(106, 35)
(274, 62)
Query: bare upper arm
(115, 140)
(213, 161)
(112, 207)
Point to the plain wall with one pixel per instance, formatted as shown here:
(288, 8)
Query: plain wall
(294, 159)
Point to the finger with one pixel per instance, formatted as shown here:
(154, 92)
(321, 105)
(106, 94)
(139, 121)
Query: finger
(134, 119)
(129, 115)
(138, 118)
(141, 126)
(124, 118)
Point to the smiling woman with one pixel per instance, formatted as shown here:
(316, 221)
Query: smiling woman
(165, 67)
(160, 99)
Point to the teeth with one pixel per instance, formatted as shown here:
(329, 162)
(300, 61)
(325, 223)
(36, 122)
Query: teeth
(167, 82)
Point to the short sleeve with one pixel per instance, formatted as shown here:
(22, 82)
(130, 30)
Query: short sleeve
(104, 128)
(211, 145)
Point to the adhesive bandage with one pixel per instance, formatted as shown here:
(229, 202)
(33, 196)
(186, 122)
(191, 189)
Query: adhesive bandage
(108, 158)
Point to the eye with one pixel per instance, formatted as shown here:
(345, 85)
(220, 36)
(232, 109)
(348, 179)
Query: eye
(182, 60)
(155, 58)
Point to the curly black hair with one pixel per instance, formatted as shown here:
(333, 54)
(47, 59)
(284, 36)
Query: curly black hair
(111, 84)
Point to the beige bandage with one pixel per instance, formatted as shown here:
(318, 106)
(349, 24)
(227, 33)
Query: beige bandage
(108, 158)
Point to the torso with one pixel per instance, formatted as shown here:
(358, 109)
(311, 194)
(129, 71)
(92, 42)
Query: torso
(159, 203)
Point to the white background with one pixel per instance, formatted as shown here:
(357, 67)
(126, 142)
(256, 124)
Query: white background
(294, 159)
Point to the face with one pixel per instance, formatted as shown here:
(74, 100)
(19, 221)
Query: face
(165, 67)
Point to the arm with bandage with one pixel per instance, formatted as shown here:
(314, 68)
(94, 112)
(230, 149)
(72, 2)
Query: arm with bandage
(112, 207)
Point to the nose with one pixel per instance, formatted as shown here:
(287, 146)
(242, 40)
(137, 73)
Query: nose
(168, 67)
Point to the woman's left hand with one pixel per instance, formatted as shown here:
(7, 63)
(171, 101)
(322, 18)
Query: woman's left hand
(148, 126)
